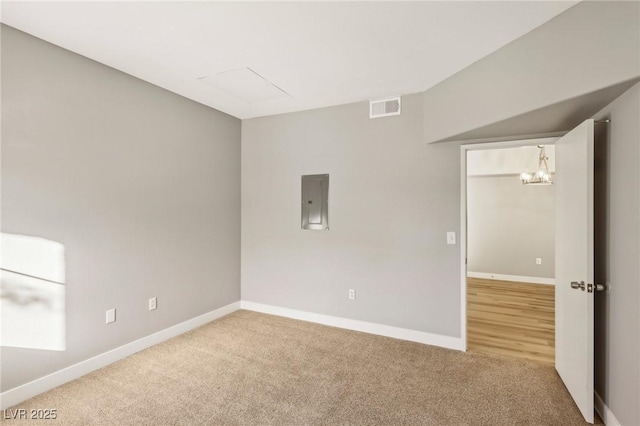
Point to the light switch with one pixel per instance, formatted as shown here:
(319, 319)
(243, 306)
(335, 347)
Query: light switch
(111, 315)
(451, 238)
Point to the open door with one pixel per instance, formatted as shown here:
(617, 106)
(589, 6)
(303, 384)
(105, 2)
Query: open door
(574, 264)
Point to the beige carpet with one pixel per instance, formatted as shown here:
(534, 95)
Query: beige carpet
(256, 369)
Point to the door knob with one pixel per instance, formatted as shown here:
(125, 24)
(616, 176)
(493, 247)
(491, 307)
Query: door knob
(577, 285)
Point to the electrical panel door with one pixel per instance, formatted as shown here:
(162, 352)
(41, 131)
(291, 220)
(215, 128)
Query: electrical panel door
(315, 202)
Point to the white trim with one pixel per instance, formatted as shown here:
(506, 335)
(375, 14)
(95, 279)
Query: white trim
(21, 393)
(605, 413)
(516, 278)
(463, 247)
(510, 141)
(362, 326)
(491, 175)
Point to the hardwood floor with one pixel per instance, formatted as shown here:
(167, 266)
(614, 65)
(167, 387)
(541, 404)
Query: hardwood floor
(511, 318)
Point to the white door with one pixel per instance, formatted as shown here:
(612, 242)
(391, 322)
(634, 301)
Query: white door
(574, 264)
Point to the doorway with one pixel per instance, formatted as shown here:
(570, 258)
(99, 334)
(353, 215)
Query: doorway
(509, 251)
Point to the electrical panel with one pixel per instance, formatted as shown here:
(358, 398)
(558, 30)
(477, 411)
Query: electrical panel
(315, 202)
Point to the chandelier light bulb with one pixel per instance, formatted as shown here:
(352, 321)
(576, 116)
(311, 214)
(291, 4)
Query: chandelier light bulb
(541, 176)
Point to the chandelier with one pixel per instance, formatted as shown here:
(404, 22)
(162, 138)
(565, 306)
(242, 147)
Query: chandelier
(541, 176)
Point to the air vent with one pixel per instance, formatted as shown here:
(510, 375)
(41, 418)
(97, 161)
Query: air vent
(384, 107)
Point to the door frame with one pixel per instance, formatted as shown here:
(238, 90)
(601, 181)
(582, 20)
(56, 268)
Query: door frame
(463, 212)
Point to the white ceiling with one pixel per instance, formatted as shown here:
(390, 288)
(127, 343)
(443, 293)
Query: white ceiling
(319, 53)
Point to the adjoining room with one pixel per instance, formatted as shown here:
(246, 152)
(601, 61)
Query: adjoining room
(511, 251)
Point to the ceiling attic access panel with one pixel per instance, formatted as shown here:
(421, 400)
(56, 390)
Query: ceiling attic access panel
(315, 202)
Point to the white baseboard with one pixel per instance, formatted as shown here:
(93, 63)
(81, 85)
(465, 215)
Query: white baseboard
(356, 325)
(21, 393)
(516, 278)
(605, 413)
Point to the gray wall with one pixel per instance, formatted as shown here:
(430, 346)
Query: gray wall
(617, 200)
(140, 185)
(509, 225)
(553, 63)
(392, 199)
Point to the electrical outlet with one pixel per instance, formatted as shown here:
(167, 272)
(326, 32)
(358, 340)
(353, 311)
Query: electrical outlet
(111, 315)
(153, 303)
(538, 261)
(352, 294)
